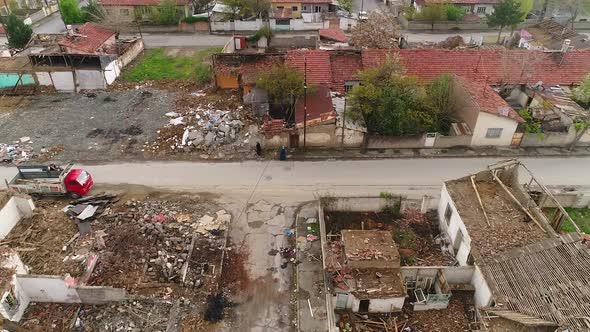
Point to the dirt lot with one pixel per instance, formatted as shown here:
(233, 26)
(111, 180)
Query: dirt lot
(128, 122)
(39, 240)
(414, 233)
(106, 126)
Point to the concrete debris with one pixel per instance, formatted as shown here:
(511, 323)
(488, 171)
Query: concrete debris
(204, 122)
(17, 153)
(171, 242)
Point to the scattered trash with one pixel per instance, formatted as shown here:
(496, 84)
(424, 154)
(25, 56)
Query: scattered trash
(311, 237)
(288, 232)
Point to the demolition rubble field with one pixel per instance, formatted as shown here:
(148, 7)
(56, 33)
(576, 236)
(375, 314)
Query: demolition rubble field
(136, 123)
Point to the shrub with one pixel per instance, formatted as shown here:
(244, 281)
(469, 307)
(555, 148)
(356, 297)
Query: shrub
(18, 32)
(70, 12)
(454, 13)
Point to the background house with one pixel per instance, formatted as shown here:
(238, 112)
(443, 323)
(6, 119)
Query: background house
(492, 122)
(128, 11)
(477, 7)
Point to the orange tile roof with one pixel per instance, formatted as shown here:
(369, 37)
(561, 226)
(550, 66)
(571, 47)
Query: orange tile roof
(344, 68)
(319, 106)
(88, 38)
(333, 34)
(318, 65)
(488, 100)
(495, 66)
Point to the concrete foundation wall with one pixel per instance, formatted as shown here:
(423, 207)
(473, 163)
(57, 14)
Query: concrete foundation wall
(90, 80)
(401, 142)
(44, 288)
(54, 289)
(100, 295)
(455, 275)
(13, 211)
(131, 53)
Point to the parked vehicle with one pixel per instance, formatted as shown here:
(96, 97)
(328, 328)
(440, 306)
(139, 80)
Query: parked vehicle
(51, 180)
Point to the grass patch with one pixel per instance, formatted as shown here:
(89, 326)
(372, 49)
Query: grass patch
(154, 64)
(580, 216)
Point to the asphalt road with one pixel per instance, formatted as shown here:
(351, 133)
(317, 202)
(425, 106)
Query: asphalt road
(304, 180)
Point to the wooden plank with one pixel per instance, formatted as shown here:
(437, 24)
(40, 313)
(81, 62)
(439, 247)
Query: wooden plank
(479, 199)
(516, 201)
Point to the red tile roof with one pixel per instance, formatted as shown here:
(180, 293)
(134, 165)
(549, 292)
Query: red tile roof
(303, 1)
(319, 107)
(344, 68)
(333, 34)
(318, 65)
(88, 38)
(488, 100)
(139, 2)
(494, 66)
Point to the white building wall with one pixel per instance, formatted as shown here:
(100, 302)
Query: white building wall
(44, 78)
(483, 294)
(455, 224)
(112, 71)
(485, 121)
(44, 288)
(14, 210)
(391, 304)
(90, 79)
(14, 262)
(63, 81)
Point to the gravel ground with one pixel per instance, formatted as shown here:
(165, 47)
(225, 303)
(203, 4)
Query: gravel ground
(95, 127)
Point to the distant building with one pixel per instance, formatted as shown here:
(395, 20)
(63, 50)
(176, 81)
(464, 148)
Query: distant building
(128, 11)
(471, 7)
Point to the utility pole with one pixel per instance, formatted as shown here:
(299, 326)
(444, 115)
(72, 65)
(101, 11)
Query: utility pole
(343, 123)
(304, 100)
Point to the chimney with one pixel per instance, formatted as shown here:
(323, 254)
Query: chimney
(69, 30)
(566, 46)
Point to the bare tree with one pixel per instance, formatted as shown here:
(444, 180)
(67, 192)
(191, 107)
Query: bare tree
(575, 8)
(378, 31)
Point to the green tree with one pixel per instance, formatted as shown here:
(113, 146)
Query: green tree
(454, 13)
(441, 99)
(17, 31)
(391, 103)
(582, 93)
(235, 8)
(283, 84)
(70, 12)
(167, 13)
(575, 8)
(93, 12)
(433, 13)
(526, 6)
(346, 5)
(506, 14)
(258, 8)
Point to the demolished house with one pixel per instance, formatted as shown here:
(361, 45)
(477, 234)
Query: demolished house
(368, 277)
(524, 275)
(94, 251)
(552, 117)
(87, 58)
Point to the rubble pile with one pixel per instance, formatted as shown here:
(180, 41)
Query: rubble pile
(161, 241)
(202, 122)
(17, 152)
